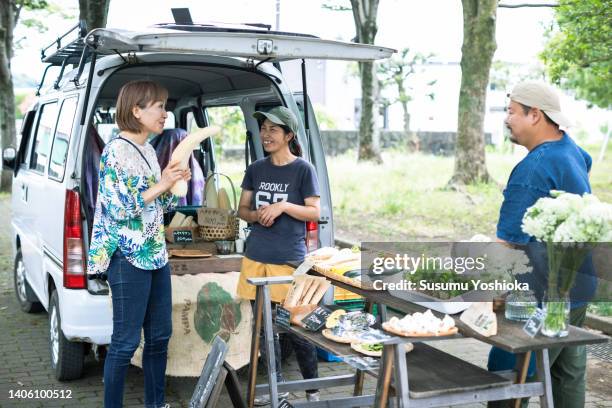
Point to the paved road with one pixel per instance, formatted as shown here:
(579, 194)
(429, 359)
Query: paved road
(24, 359)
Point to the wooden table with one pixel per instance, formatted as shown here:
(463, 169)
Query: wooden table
(428, 377)
(213, 264)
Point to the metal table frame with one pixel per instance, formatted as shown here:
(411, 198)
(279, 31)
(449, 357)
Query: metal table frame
(392, 364)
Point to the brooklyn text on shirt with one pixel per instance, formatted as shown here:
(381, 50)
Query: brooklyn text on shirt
(274, 187)
(270, 193)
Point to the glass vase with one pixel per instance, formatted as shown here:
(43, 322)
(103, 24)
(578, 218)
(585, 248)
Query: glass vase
(520, 305)
(556, 322)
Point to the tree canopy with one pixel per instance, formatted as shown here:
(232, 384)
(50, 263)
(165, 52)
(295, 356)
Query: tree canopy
(578, 54)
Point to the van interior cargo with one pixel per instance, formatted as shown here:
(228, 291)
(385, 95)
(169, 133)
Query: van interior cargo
(192, 89)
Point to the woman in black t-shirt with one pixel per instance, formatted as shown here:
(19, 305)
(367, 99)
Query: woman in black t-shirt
(280, 193)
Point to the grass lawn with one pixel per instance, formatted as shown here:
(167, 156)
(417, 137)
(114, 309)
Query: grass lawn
(406, 197)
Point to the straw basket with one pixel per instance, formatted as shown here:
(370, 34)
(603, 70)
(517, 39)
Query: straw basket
(218, 224)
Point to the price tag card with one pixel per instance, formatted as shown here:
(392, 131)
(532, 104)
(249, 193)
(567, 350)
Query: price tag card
(182, 236)
(303, 268)
(316, 319)
(283, 317)
(535, 322)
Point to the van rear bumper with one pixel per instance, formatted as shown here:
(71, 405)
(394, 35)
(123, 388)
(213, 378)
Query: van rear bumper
(86, 317)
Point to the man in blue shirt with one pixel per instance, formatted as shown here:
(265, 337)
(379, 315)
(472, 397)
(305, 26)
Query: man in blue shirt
(554, 162)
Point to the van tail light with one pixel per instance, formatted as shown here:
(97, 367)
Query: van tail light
(312, 236)
(74, 259)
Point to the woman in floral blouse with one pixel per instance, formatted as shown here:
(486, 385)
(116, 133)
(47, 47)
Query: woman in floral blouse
(128, 243)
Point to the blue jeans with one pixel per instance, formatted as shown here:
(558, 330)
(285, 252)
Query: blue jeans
(142, 299)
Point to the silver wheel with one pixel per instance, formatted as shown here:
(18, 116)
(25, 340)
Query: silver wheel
(66, 356)
(28, 302)
(54, 335)
(20, 281)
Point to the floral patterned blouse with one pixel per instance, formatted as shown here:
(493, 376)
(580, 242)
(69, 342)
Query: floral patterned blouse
(122, 220)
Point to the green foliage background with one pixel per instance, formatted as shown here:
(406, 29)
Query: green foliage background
(578, 54)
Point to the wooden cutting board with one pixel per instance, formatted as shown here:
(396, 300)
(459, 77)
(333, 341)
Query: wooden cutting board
(188, 253)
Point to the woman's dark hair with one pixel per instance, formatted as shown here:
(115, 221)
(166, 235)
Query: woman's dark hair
(294, 145)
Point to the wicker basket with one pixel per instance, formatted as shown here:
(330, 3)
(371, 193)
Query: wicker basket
(217, 224)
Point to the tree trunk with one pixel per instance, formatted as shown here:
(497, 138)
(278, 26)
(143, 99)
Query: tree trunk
(7, 97)
(477, 53)
(94, 12)
(364, 15)
(369, 136)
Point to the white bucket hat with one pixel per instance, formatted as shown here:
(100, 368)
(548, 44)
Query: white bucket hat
(542, 96)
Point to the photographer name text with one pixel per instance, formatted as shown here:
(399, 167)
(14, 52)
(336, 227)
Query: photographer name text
(474, 284)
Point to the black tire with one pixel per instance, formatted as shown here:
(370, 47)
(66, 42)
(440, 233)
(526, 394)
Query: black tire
(28, 302)
(67, 357)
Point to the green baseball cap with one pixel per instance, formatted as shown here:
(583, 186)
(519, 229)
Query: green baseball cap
(279, 115)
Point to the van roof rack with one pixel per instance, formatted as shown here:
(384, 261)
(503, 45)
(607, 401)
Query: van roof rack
(255, 28)
(67, 53)
(72, 52)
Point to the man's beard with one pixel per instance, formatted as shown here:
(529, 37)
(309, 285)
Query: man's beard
(512, 138)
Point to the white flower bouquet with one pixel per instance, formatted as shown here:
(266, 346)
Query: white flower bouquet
(567, 223)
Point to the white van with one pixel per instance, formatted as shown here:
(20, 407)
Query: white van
(55, 164)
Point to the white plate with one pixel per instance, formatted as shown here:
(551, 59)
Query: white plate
(432, 303)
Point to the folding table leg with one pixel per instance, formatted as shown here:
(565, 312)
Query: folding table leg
(522, 374)
(359, 377)
(359, 374)
(384, 377)
(269, 338)
(255, 346)
(543, 375)
(401, 376)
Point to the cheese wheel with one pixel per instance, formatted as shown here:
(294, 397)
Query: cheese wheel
(182, 153)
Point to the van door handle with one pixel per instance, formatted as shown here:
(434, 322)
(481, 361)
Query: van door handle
(24, 192)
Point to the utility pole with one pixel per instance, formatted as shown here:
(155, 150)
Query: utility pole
(277, 28)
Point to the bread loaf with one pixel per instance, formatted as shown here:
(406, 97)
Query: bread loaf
(211, 194)
(177, 220)
(223, 200)
(182, 153)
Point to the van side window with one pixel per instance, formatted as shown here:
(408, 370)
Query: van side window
(43, 137)
(59, 152)
(23, 137)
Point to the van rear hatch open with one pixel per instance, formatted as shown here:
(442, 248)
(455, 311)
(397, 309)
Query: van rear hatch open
(260, 45)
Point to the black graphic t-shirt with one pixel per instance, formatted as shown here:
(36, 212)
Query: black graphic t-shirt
(285, 240)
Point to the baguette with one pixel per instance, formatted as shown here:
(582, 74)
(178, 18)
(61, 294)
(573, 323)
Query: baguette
(308, 286)
(295, 293)
(323, 286)
(306, 299)
(182, 153)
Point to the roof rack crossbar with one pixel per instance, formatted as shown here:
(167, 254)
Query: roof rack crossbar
(42, 81)
(61, 74)
(84, 56)
(72, 50)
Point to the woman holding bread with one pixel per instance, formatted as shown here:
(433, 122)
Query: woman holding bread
(280, 193)
(127, 241)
